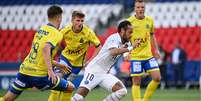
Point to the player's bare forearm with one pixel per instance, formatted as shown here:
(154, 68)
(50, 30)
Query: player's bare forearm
(154, 43)
(46, 55)
(62, 66)
(118, 51)
(121, 50)
(47, 58)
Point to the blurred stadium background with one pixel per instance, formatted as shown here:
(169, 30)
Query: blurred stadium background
(175, 21)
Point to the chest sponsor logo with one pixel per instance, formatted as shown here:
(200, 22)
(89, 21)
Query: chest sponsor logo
(75, 52)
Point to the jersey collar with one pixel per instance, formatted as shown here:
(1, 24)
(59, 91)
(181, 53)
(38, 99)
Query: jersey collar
(49, 24)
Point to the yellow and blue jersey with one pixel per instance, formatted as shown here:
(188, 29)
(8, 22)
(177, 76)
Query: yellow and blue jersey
(142, 30)
(34, 64)
(77, 44)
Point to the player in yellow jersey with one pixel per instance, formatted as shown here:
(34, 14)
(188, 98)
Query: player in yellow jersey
(36, 70)
(77, 37)
(141, 58)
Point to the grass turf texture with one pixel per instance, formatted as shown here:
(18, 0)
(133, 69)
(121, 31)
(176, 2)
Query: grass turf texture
(98, 94)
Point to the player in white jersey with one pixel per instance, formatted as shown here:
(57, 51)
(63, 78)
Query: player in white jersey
(96, 72)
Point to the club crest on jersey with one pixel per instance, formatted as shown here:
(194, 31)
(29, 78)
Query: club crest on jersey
(147, 26)
(81, 40)
(86, 82)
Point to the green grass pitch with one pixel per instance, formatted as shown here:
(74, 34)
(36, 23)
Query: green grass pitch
(98, 94)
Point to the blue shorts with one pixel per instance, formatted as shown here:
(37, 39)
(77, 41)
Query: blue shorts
(23, 82)
(139, 66)
(74, 69)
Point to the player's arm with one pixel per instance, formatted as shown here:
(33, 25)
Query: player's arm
(153, 41)
(62, 66)
(121, 50)
(155, 46)
(47, 57)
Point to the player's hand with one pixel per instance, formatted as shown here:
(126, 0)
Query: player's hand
(136, 43)
(52, 76)
(126, 56)
(66, 69)
(157, 55)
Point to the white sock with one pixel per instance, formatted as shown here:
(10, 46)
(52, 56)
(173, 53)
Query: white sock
(116, 96)
(77, 97)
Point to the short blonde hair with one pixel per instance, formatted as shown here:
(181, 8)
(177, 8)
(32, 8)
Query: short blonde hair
(77, 13)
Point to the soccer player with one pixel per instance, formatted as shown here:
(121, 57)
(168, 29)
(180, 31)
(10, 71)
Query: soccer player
(97, 71)
(77, 38)
(141, 58)
(36, 70)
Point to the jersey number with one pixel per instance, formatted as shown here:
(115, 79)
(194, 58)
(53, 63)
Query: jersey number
(34, 51)
(90, 77)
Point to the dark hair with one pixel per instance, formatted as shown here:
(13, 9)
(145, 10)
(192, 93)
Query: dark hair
(54, 11)
(78, 14)
(139, 1)
(123, 24)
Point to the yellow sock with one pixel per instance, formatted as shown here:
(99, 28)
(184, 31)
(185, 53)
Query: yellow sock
(150, 90)
(1, 99)
(136, 93)
(54, 95)
(66, 96)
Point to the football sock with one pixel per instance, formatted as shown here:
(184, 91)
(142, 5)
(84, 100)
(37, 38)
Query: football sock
(136, 93)
(116, 96)
(150, 90)
(65, 96)
(77, 97)
(54, 95)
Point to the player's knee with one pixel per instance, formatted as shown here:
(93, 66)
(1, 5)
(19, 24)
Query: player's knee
(122, 92)
(157, 78)
(71, 87)
(77, 97)
(136, 80)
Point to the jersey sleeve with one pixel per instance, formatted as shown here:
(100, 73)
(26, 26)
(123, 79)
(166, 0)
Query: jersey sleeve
(93, 38)
(129, 19)
(55, 38)
(112, 43)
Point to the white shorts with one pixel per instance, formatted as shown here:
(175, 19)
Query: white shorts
(106, 81)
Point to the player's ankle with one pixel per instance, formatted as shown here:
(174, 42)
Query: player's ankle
(77, 97)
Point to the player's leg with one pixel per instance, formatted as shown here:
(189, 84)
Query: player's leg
(16, 88)
(80, 94)
(66, 96)
(89, 81)
(153, 69)
(9, 96)
(111, 83)
(61, 85)
(43, 83)
(135, 89)
(136, 73)
(56, 95)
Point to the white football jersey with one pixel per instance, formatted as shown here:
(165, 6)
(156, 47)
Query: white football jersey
(104, 61)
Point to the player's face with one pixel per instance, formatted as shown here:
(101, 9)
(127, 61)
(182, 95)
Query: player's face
(139, 9)
(77, 23)
(127, 34)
